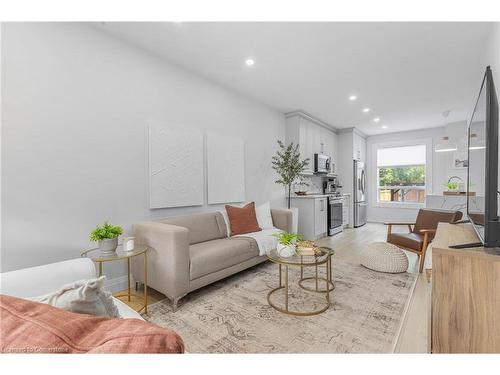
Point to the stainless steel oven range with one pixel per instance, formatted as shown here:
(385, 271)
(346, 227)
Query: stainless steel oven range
(335, 216)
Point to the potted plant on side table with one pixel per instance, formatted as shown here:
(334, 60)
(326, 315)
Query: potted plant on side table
(106, 236)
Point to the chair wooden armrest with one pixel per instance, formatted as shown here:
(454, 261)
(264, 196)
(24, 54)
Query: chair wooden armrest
(423, 231)
(399, 223)
(389, 228)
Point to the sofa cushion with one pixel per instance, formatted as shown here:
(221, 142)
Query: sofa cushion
(215, 255)
(202, 227)
(410, 240)
(32, 327)
(243, 219)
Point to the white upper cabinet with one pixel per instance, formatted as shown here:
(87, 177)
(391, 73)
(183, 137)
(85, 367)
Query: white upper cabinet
(312, 137)
(359, 147)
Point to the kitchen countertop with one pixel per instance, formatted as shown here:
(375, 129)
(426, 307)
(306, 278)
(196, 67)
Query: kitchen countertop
(311, 196)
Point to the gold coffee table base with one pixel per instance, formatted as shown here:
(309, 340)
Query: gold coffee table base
(323, 258)
(331, 286)
(296, 313)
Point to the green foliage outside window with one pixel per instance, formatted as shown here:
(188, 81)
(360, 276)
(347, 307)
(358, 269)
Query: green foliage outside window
(402, 176)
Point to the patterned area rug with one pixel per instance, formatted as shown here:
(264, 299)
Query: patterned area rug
(233, 316)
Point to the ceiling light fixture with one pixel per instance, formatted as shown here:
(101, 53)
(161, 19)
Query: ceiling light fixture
(376, 119)
(250, 62)
(445, 145)
(384, 126)
(366, 110)
(475, 143)
(353, 98)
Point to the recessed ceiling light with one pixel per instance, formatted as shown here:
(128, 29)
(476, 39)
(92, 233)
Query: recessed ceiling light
(376, 119)
(384, 126)
(366, 110)
(250, 62)
(353, 98)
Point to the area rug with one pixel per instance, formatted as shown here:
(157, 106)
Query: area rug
(233, 316)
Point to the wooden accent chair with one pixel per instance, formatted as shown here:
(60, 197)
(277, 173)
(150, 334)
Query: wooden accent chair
(423, 231)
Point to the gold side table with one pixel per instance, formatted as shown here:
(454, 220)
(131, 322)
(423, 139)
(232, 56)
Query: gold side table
(95, 256)
(302, 261)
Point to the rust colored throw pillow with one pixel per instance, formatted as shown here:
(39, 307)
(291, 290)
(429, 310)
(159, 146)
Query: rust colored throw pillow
(32, 327)
(242, 219)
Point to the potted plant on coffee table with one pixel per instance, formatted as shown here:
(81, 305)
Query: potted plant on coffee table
(287, 243)
(106, 236)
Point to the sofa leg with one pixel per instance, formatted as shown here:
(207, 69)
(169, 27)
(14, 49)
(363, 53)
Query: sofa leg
(175, 303)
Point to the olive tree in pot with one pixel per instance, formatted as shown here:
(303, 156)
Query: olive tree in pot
(289, 167)
(107, 237)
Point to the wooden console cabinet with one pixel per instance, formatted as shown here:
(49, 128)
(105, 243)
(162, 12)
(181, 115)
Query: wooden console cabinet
(465, 294)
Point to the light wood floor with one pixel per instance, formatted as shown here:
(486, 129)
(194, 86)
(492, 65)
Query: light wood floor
(415, 333)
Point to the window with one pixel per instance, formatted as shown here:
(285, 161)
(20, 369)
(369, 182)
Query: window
(401, 174)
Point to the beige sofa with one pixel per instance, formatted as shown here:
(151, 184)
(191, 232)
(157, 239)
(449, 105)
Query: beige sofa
(189, 252)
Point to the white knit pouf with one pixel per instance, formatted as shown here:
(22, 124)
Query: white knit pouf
(384, 257)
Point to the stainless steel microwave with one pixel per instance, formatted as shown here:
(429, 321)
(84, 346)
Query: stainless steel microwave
(322, 163)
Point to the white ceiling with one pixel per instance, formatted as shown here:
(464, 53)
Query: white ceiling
(407, 73)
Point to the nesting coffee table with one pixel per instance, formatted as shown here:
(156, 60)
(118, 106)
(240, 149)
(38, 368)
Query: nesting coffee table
(323, 285)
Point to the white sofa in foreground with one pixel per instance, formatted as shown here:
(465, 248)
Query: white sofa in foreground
(37, 281)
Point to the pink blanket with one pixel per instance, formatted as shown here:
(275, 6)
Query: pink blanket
(31, 327)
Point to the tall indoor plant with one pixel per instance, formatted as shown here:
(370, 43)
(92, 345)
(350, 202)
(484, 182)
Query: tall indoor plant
(288, 165)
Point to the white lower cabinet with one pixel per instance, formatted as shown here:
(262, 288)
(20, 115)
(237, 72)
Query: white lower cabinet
(312, 216)
(346, 202)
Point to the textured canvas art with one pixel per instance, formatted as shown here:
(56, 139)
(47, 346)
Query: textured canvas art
(225, 169)
(175, 167)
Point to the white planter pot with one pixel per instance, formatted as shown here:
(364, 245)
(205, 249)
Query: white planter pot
(285, 251)
(295, 219)
(108, 246)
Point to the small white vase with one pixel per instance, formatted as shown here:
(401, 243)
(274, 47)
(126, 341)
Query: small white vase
(285, 251)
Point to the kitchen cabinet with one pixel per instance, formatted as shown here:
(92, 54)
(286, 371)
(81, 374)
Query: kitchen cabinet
(346, 204)
(312, 136)
(359, 147)
(312, 215)
(320, 216)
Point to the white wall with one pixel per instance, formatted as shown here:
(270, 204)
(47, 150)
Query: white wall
(492, 56)
(76, 105)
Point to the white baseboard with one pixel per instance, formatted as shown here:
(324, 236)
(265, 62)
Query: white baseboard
(117, 284)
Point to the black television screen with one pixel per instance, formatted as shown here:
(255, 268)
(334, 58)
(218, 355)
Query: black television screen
(482, 176)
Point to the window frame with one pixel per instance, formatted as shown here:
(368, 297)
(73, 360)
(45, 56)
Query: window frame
(373, 169)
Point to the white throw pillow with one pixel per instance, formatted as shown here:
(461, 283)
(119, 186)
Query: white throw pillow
(228, 224)
(84, 297)
(264, 218)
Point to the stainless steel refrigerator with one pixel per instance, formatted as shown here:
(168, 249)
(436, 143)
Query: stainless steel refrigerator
(359, 195)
